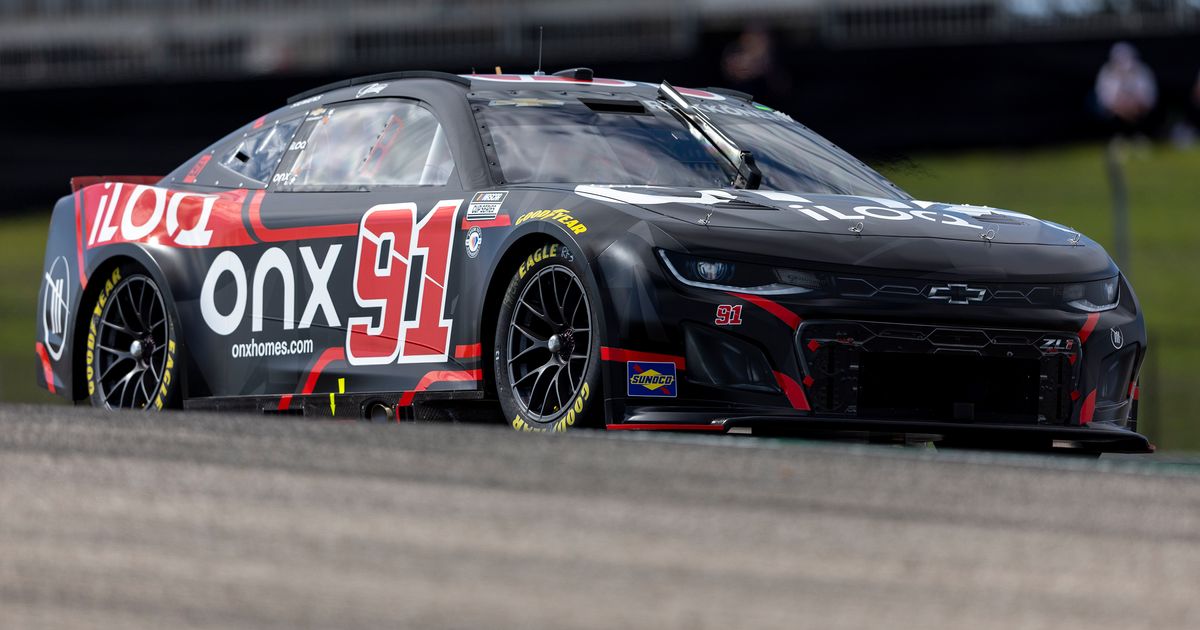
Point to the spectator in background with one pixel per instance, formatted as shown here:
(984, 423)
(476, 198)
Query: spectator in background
(748, 64)
(1126, 91)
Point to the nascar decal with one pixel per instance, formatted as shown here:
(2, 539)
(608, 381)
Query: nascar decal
(559, 216)
(485, 205)
(124, 213)
(648, 379)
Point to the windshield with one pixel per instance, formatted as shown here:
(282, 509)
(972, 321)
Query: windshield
(638, 142)
(610, 142)
(794, 158)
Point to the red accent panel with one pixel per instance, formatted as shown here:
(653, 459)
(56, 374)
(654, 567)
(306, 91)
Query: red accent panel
(79, 239)
(468, 352)
(1075, 395)
(196, 169)
(285, 401)
(808, 381)
(791, 319)
(79, 183)
(259, 123)
(1088, 327)
(126, 213)
(1088, 409)
(47, 370)
(328, 356)
(1072, 359)
(664, 427)
(793, 391)
(439, 376)
(1136, 391)
(271, 235)
(620, 354)
(501, 220)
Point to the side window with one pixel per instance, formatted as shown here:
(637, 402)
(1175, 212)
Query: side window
(256, 156)
(381, 142)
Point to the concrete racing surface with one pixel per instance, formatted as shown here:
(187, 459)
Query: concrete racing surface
(127, 521)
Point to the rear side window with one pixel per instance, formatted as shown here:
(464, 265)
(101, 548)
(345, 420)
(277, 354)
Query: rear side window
(381, 142)
(256, 156)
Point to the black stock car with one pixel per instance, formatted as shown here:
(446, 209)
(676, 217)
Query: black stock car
(580, 251)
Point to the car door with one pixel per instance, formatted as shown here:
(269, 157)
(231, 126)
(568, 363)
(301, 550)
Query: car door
(365, 204)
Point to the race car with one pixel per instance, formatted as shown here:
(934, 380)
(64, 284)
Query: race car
(559, 251)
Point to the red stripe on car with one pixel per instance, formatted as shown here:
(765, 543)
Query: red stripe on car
(47, 369)
(620, 354)
(468, 351)
(328, 356)
(793, 391)
(79, 238)
(502, 220)
(439, 376)
(775, 308)
(1088, 327)
(274, 235)
(1088, 409)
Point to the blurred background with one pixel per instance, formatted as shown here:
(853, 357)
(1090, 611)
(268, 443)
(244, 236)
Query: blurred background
(1084, 112)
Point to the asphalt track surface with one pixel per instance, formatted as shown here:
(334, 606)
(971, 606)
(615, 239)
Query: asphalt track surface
(125, 521)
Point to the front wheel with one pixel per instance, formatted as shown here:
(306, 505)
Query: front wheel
(547, 350)
(132, 344)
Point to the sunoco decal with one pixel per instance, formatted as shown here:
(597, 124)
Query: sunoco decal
(651, 379)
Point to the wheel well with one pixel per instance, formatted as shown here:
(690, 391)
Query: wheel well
(505, 266)
(83, 319)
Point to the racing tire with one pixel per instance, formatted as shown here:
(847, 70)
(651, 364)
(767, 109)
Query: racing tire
(132, 346)
(547, 346)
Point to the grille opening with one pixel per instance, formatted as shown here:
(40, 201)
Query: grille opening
(948, 387)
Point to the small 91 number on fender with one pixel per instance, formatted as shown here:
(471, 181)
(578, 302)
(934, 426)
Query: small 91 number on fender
(395, 251)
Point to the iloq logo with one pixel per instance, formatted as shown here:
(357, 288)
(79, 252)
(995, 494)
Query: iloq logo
(56, 295)
(651, 379)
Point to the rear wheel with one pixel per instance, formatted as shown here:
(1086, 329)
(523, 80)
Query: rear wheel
(132, 344)
(547, 352)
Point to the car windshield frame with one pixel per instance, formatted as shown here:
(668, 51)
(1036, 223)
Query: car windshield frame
(779, 135)
(545, 116)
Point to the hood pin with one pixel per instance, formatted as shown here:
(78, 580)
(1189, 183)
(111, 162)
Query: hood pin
(988, 235)
(857, 228)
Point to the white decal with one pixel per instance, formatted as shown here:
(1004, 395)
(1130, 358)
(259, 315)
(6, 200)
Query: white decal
(168, 205)
(374, 88)
(319, 274)
(273, 259)
(485, 205)
(223, 323)
(56, 313)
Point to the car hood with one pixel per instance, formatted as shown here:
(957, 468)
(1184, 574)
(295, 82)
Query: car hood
(836, 214)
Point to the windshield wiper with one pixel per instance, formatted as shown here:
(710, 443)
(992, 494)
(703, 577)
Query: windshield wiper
(745, 171)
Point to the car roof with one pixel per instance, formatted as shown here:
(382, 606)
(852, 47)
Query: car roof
(379, 84)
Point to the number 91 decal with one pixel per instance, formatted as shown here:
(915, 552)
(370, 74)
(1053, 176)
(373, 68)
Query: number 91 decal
(729, 315)
(401, 273)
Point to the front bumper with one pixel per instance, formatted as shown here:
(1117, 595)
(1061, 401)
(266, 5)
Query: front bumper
(1093, 438)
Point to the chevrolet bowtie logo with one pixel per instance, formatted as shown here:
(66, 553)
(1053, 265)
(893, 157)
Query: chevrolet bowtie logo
(957, 294)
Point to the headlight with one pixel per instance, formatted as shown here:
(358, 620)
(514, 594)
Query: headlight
(1093, 297)
(723, 275)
